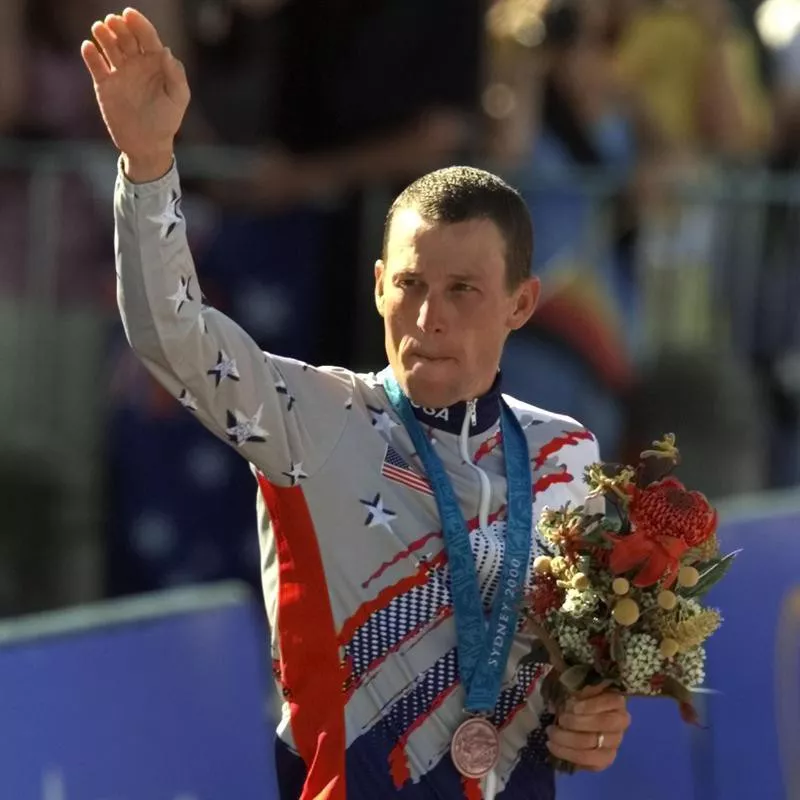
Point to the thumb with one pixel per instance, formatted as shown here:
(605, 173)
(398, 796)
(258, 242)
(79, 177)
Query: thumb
(174, 77)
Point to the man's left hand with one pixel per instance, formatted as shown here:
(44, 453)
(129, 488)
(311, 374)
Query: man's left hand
(589, 731)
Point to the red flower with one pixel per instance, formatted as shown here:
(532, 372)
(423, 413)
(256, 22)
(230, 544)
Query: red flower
(666, 508)
(601, 647)
(546, 596)
(666, 520)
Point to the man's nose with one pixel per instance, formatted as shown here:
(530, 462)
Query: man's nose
(432, 315)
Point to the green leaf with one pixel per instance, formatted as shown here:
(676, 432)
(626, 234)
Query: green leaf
(553, 691)
(538, 654)
(597, 536)
(674, 688)
(575, 677)
(596, 678)
(617, 648)
(711, 575)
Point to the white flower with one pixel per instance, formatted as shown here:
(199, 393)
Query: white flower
(574, 643)
(689, 667)
(578, 603)
(642, 661)
(689, 606)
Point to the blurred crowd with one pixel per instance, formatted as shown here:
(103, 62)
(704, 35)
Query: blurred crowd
(649, 138)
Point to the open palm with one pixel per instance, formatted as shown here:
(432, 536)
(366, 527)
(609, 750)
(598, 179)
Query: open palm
(141, 87)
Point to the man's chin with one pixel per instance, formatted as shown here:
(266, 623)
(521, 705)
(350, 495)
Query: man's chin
(432, 384)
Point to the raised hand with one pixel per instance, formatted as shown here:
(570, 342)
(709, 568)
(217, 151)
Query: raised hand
(141, 90)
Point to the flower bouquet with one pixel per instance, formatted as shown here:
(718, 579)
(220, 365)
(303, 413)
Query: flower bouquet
(618, 600)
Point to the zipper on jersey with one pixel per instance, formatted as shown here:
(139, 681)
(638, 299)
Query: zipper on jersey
(485, 499)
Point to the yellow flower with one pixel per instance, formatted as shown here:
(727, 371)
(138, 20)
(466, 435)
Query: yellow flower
(691, 632)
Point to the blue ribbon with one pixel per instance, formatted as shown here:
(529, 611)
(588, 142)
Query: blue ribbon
(482, 651)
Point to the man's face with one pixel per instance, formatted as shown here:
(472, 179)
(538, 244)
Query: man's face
(447, 310)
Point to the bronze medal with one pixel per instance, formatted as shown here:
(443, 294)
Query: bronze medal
(475, 748)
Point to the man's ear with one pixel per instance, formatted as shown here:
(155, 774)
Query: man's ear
(526, 298)
(380, 271)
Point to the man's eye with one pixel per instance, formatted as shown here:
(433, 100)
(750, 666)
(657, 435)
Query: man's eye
(463, 287)
(407, 283)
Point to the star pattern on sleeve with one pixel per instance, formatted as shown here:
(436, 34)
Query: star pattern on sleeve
(201, 320)
(243, 429)
(381, 420)
(188, 400)
(296, 473)
(170, 217)
(378, 513)
(527, 420)
(181, 296)
(224, 368)
(282, 388)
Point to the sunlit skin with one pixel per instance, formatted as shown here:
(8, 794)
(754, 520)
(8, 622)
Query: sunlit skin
(446, 306)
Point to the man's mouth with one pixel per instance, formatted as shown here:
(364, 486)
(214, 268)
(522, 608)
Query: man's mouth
(428, 357)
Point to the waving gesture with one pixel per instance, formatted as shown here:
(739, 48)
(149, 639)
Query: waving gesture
(141, 89)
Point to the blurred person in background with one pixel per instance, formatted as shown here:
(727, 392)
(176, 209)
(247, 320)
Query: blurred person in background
(450, 286)
(697, 68)
(776, 349)
(559, 117)
(645, 93)
(55, 299)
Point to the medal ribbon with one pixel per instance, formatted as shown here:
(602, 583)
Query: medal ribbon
(482, 650)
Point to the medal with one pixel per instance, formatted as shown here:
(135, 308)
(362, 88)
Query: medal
(482, 648)
(475, 748)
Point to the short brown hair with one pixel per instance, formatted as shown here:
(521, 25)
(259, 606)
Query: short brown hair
(459, 194)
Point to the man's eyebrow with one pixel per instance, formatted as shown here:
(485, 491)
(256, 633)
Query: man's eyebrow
(454, 276)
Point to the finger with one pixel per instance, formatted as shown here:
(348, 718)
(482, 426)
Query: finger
(582, 741)
(593, 690)
(594, 760)
(108, 42)
(95, 63)
(608, 701)
(144, 31)
(607, 722)
(125, 39)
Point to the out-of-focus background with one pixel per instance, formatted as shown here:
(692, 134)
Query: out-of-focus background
(657, 143)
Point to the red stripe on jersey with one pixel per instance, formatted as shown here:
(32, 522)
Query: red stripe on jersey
(554, 445)
(418, 578)
(310, 665)
(398, 761)
(412, 548)
(362, 615)
(472, 789)
(546, 481)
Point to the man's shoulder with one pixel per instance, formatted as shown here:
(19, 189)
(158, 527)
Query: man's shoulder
(534, 415)
(552, 435)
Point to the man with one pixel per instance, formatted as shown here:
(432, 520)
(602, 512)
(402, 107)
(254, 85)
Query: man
(376, 657)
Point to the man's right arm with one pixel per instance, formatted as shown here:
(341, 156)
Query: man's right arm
(282, 416)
